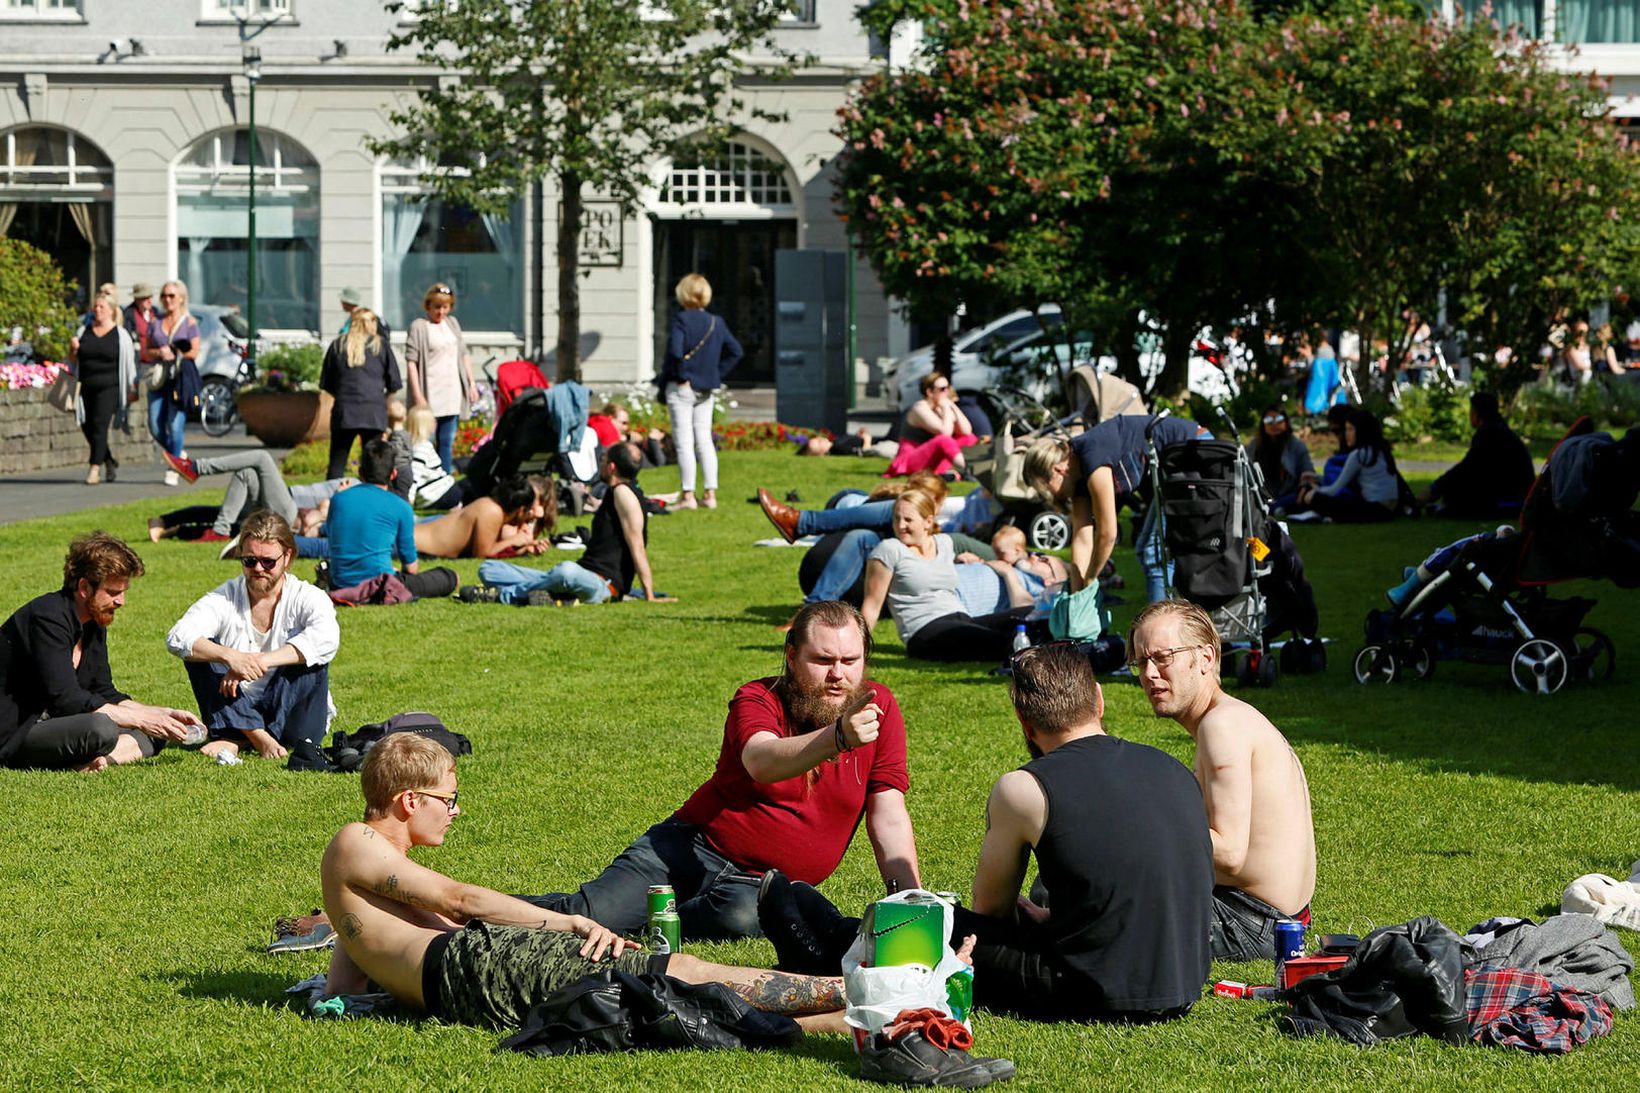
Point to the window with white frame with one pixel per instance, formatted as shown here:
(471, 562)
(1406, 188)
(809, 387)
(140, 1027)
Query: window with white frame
(737, 179)
(426, 240)
(255, 11)
(213, 188)
(40, 9)
(53, 161)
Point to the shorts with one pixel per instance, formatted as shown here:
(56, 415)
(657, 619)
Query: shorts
(1244, 926)
(492, 976)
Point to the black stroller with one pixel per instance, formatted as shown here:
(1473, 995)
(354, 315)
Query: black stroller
(529, 438)
(1231, 557)
(1490, 604)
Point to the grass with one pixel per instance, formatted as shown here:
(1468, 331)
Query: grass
(138, 901)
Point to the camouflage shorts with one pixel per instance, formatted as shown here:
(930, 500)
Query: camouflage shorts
(493, 975)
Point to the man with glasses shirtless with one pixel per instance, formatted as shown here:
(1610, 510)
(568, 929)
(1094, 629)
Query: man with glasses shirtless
(472, 955)
(1258, 801)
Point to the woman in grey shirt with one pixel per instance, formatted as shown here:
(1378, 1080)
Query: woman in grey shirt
(1370, 471)
(915, 573)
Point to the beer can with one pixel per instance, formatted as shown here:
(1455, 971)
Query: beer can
(665, 932)
(1289, 940)
(662, 898)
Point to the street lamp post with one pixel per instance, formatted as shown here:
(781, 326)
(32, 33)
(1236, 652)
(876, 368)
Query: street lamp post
(252, 58)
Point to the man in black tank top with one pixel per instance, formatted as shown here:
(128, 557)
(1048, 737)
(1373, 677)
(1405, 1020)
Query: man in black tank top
(1121, 844)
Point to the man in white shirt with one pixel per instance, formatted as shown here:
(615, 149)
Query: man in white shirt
(258, 649)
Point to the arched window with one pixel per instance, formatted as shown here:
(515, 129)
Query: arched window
(213, 226)
(735, 181)
(57, 192)
(426, 239)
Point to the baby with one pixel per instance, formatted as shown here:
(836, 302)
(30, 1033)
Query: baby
(1436, 564)
(1009, 543)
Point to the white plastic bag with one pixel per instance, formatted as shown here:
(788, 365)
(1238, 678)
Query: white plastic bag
(877, 995)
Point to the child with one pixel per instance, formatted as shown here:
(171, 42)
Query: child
(431, 487)
(1009, 543)
(1437, 563)
(400, 440)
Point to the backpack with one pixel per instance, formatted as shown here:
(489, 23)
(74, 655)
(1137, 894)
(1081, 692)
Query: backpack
(347, 750)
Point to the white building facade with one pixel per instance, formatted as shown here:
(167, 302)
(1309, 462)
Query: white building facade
(124, 152)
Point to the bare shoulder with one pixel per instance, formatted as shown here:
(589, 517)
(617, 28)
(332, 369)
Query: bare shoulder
(1232, 723)
(1017, 795)
(355, 843)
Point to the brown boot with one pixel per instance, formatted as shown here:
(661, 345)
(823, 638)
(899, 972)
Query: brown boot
(783, 517)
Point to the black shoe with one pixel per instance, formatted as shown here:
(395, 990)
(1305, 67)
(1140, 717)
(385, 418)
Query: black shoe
(912, 1060)
(110, 465)
(796, 949)
(834, 930)
(478, 593)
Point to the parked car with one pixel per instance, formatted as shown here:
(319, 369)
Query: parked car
(969, 348)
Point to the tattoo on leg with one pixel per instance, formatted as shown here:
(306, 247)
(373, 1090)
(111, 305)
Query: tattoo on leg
(388, 886)
(794, 995)
(351, 925)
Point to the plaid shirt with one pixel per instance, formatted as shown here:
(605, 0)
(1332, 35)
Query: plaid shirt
(1509, 1007)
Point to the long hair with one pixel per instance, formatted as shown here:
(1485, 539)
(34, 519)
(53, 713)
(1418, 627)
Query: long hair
(1268, 450)
(361, 337)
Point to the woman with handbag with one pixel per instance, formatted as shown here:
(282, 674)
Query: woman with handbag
(173, 337)
(439, 369)
(360, 371)
(104, 357)
(700, 352)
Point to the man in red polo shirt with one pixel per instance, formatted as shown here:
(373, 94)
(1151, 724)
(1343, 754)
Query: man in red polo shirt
(796, 774)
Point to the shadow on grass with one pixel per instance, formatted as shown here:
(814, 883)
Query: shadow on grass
(257, 990)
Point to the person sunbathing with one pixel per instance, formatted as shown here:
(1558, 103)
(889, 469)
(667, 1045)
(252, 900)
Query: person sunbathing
(480, 528)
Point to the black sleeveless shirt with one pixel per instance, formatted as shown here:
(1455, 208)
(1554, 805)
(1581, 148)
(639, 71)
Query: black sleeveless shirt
(606, 553)
(1128, 865)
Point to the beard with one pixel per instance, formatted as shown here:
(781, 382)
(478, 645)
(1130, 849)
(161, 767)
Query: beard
(810, 707)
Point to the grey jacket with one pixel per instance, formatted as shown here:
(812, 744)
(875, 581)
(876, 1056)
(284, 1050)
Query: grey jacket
(415, 356)
(1574, 950)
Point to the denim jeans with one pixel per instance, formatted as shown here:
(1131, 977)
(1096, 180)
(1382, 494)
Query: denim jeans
(1148, 548)
(444, 439)
(563, 580)
(875, 515)
(717, 900)
(165, 423)
(294, 704)
(1244, 926)
(844, 566)
(691, 412)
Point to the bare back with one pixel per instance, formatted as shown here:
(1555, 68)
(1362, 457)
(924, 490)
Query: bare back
(469, 532)
(1258, 805)
(387, 939)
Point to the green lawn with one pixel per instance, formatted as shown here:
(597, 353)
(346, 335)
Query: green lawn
(137, 902)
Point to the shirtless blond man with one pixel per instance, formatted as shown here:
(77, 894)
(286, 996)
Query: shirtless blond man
(471, 955)
(1257, 798)
(504, 522)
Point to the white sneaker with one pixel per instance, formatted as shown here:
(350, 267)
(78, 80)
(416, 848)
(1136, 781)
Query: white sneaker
(171, 478)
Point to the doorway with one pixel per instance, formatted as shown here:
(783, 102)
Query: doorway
(737, 257)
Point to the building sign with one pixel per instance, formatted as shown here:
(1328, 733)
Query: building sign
(601, 234)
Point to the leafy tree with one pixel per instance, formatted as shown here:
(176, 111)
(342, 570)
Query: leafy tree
(591, 92)
(34, 295)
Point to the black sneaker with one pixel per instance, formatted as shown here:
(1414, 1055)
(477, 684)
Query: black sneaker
(801, 944)
(540, 597)
(912, 1060)
(478, 593)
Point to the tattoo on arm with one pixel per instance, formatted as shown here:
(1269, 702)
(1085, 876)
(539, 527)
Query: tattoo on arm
(351, 926)
(794, 995)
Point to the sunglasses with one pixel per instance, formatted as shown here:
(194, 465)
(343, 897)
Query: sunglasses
(1273, 419)
(1162, 658)
(251, 561)
(942, 387)
(167, 296)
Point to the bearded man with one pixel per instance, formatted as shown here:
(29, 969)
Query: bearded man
(805, 755)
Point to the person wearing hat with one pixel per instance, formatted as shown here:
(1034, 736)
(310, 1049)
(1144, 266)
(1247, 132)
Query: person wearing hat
(139, 313)
(352, 298)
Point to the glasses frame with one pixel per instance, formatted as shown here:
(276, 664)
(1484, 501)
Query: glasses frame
(266, 565)
(1162, 658)
(449, 799)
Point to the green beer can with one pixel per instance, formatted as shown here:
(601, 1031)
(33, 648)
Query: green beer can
(662, 898)
(665, 932)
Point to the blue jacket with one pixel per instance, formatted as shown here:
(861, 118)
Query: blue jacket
(707, 367)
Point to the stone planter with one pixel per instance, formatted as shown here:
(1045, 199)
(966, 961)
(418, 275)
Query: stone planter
(36, 436)
(285, 419)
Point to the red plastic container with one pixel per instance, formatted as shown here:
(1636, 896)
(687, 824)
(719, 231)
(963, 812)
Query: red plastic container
(1291, 971)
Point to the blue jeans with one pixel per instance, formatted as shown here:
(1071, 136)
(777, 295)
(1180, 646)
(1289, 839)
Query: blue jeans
(293, 706)
(312, 546)
(717, 900)
(875, 515)
(845, 565)
(444, 439)
(165, 423)
(563, 580)
(1149, 551)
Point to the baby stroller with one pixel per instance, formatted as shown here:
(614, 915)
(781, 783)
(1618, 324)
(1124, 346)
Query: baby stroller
(1021, 419)
(530, 434)
(1231, 557)
(1490, 604)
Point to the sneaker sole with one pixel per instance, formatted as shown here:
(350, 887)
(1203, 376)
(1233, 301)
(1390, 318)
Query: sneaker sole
(305, 943)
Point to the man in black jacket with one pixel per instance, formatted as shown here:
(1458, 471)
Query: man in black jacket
(1492, 479)
(58, 706)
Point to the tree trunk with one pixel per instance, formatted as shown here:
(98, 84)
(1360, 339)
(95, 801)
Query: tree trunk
(1175, 378)
(1125, 348)
(569, 279)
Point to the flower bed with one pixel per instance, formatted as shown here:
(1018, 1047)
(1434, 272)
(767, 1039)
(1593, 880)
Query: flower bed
(22, 377)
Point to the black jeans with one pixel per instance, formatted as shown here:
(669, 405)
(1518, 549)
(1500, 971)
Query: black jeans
(1244, 926)
(957, 636)
(100, 404)
(1347, 508)
(341, 446)
(64, 743)
(432, 583)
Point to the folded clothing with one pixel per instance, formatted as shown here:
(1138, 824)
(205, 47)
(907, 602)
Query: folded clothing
(1508, 1007)
(1609, 900)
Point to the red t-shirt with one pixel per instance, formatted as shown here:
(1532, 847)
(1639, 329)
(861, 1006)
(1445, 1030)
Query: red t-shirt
(800, 829)
(604, 426)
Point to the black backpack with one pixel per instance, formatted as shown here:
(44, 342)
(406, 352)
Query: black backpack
(347, 750)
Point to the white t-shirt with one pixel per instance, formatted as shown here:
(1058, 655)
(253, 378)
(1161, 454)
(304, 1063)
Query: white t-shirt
(443, 371)
(920, 589)
(261, 642)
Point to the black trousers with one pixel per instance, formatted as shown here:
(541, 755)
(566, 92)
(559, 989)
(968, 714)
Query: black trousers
(101, 402)
(65, 743)
(1347, 508)
(957, 636)
(432, 583)
(341, 446)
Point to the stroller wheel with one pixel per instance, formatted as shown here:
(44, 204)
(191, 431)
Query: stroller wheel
(1048, 530)
(1419, 659)
(1594, 657)
(1267, 670)
(1376, 664)
(1539, 666)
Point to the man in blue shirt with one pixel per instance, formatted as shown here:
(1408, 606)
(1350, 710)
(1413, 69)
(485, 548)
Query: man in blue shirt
(370, 526)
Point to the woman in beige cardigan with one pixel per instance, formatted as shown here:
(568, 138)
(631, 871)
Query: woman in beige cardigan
(440, 370)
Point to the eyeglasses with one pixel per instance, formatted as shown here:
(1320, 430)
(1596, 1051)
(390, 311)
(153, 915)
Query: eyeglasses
(1274, 419)
(942, 387)
(251, 561)
(1162, 658)
(449, 799)
(167, 296)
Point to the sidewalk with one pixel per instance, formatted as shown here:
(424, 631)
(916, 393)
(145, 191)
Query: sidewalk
(61, 491)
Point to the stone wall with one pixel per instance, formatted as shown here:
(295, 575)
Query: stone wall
(36, 436)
